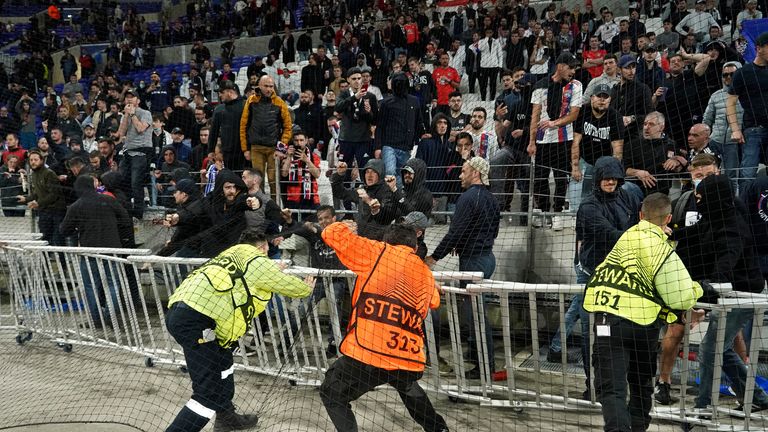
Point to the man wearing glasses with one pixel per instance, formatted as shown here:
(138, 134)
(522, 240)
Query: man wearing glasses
(715, 118)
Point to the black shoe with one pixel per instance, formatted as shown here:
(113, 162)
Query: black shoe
(473, 374)
(755, 408)
(556, 357)
(331, 351)
(662, 394)
(232, 421)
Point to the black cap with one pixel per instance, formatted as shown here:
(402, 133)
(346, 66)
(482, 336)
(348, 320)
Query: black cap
(650, 47)
(568, 59)
(602, 89)
(228, 85)
(132, 92)
(195, 86)
(112, 129)
(762, 39)
(352, 71)
(187, 186)
(177, 130)
(104, 138)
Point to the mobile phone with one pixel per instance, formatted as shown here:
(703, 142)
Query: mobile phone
(364, 88)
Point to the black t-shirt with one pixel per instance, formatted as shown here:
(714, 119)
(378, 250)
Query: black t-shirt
(597, 133)
(750, 84)
(458, 123)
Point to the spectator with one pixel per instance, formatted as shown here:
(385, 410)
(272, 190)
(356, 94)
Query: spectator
(682, 102)
(750, 12)
(552, 120)
(312, 76)
(716, 118)
(490, 51)
(399, 126)
(649, 70)
(265, 125)
(748, 88)
(609, 77)
(12, 148)
(299, 171)
(45, 196)
(358, 111)
(288, 47)
(180, 145)
(753, 196)
(135, 127)
(256, 67)
(163, 175)
(646, 158)
(473, 231)
(697, 23)
(375, 200)
(698, 143)
(227, 74)
(631, 98)
(414, 195)
(68, 64)
(366, 75)
(309, 117)
(200, 122)
(200, 53)
(594, 57)
(447, 80)
(422, 86)
(156, 95)
(458, 120)
(182, 116)
(186, 194)
(72, 86)
(668, 38)
(304, 45)
(540, 55)
(228, 49)
(11, 185)
(226, 126)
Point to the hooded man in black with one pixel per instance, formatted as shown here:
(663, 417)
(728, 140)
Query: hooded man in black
(400, 124)
(223, 213)
(414, 195)
(375, 201)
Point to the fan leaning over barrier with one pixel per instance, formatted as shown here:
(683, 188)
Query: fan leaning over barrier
(210, 311)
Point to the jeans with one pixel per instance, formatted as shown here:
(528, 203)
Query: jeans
(626, 357)
(730, 164)
(755, 140)
(578, 191)
(48, 222)
(394, 160)
(135, 170)
(339, 291)
(487, 265)
(575, 312)
(303, 55)
(94, 288)
(733, 367)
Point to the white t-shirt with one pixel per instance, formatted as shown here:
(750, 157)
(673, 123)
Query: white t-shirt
(571, 98)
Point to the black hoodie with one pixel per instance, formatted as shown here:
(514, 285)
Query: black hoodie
(603, 217)
(98, 220)
(724, 236)
(399, 123)
(225, 221)
(415, 196)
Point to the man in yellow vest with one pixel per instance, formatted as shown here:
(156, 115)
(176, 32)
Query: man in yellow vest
(641, 285)
(209, 312)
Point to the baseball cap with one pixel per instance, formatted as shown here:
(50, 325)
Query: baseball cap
(87, 124)
(626, 60)
(480, 165)
(187, 186)
(416, 219)
(257, 58)
(567, 58)
(762, 39)
(352, 71)
(602, 89)
(131, 92)
(177, 130)
(195, 86)
(228, 85)
(409, 169)
(650, 47)
(104, 138)
(701, 1)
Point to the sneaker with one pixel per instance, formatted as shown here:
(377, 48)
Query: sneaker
(556, 357)
(557, 223)
(331, 351)
(473, 374)
(231, 421)
(537, 220)
(444, 367)
(663, 394)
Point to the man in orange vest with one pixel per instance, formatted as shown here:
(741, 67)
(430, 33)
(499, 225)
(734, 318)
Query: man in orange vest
(385, 342)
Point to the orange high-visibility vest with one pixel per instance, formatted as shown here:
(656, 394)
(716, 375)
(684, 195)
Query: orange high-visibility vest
(393, 294)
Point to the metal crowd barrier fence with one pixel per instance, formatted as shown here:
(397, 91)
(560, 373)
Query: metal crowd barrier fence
(289, 340)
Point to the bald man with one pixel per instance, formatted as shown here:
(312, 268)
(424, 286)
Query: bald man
(265, 127)
(698, 143)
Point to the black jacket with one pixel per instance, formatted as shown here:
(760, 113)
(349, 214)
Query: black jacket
(380, 191)
(474, 226)
(400, 124)
(632, 98)
(730, 248)
(415, 196)
(312, 78)
(311, 119)
(224, 221)
(185, 230)
(98, 220)
(603, 217)
(226, 125)
(755, 197)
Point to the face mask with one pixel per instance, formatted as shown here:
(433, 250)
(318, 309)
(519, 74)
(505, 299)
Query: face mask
(696, 183)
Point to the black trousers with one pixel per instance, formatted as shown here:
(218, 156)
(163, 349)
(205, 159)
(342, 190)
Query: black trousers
(348, 379)
(488, 79)
(553, 157)
(626, 358)
(209, 366)
(472, 76)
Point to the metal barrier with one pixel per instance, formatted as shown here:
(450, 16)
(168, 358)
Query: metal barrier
(289, 340)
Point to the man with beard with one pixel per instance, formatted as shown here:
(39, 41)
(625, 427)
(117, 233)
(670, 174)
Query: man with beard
(358, 111)
(631, 98)
(221, 211)
(46, 197)
(299, 171)
(375, 201)
(458, 120)
(597, 132)
(309, 117)
(556, 104)
(185, 195)
(182, 116)
(155, 95)
(135, 127)
(225, 126)
(434, 152)
(414, 195)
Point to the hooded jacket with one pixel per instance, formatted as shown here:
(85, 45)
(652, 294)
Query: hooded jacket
(415, 196)
(603, 217)
(434, 152)
(380, 191)
(724, 233)
(184, 230)
(225, 221)
(225, 124)
(400, 124)
(98, 220)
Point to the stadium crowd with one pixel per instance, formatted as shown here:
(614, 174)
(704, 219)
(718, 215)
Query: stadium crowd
(382, 103)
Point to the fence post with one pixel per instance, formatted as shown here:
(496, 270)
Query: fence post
(529, 225)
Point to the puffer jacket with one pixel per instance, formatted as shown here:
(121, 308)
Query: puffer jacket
(603, 217)
(715, 118)
(264, 122)
(415, 196)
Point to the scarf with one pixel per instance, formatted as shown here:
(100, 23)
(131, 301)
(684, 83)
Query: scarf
(300, 174)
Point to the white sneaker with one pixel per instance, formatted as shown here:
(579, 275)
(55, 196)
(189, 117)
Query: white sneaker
(537, 220)
(557, 223)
